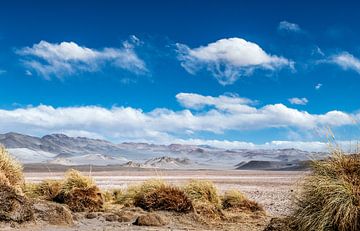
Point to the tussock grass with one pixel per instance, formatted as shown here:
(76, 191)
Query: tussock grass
(11, 169)
(80, 193)
(234, 199)
(329, 198)
(202, 191)
(165, 197)
(47, 189)
(127, 198)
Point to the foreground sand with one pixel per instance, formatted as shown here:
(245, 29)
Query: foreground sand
(272, 189)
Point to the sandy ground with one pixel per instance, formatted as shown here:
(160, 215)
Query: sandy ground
(272, 189)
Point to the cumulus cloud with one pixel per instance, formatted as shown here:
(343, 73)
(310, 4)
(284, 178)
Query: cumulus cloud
(163, 125)
(289, 27)
(229, 59)
(346, 61)
(68, 58)
(298, 101)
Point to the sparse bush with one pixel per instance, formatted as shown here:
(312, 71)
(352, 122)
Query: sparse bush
(202, 191)
(168, 198)
(80, 193)
(330, 196)
(234, 199)
(11, 169)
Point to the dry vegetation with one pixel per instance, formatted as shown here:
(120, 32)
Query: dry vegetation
(330, 195)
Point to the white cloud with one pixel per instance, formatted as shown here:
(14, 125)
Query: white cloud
(229, 59)
(318, 86)
(298, 101)
(222, 102)
(288, 26)
(68, 58)
(163, 125)
(347, 61)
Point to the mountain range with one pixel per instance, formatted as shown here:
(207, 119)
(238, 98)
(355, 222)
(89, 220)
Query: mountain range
(64, 150)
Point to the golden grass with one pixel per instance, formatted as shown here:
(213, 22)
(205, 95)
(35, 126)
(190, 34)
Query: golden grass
(127, 198)
(165, 197)
(80, 193)
(11, 169)
(47, 189)
(202, 191)
(3, 179)
(330, 196)
(234, 199)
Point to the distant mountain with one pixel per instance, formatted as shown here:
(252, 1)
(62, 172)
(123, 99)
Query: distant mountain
(65, 150)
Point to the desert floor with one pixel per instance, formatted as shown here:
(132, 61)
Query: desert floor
(272, 189)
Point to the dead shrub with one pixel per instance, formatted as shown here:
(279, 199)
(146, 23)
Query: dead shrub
(164, 198)
(329, 198)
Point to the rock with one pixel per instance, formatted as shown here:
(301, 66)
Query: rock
(91, 215)
(13, 206)
(111, 217)
(52, 213)
(150, 219)
(126, 216)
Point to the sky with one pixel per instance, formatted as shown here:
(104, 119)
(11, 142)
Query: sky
(231, 74)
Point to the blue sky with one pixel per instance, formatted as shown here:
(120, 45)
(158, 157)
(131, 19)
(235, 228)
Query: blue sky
(226, 73)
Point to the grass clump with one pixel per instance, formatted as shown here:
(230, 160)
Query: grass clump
(235, 200)
(11, 169)
(47, 189)
(80, 193)
(127, 198)
(165, 197)
(202, 191)
(330, 196)
(205, 198)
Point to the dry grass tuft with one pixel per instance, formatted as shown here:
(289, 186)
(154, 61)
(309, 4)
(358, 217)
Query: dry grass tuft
(11, 169)
(203, 192)
(80, 193)
(127, 198)
(47, 189)
(330, 196)
(168, 198)
(234, 199)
